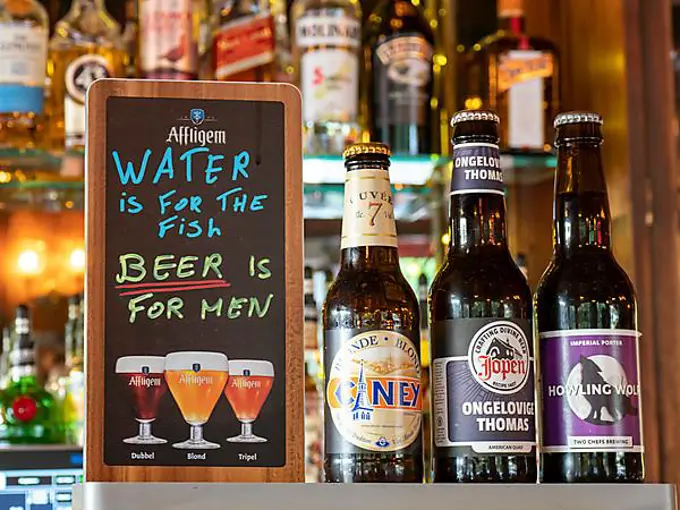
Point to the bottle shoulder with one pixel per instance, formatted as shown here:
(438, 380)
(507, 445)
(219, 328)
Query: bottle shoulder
(471, 286)
(29, 12)
(355, 293)
(503, 41)
(95, 28)
(380, 25)
(585, 278)
(325, 8)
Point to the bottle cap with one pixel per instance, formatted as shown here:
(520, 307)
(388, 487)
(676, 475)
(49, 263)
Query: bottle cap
(471, 115)
(577, 118)
(366, 148)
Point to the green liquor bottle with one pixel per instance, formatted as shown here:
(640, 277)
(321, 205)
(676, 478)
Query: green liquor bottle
(29, 413)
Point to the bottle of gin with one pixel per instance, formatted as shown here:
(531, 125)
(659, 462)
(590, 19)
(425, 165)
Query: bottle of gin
(326, 50)
(23, 51)
(30, 413)
(516, 76)
(86, 45)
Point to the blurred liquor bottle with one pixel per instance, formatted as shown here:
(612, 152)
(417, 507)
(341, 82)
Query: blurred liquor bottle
(131, 38)
(311, 332)
(30, 413)
(244, 42)
(313, 425)
(86, 45)
(517, 76)
(23, 52)
(7, 345)
(423, 289)
(326, 52)
(169, 36)
(397, 77)
(74, 402)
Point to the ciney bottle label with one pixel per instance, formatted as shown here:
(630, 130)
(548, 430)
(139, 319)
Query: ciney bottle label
(483, 387)
(373, 392)
(23, 52)
(477, 169)
(369, 213)
(590, 391)
(403, 72)
(329, 70)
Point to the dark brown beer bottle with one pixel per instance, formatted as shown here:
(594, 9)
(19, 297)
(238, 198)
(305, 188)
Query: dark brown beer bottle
(373, 398)
(397, 77)
(586, 320)
(482, 371)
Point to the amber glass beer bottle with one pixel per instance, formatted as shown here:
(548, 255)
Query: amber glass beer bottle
(588, 338)
(482, 359)
(373, 400)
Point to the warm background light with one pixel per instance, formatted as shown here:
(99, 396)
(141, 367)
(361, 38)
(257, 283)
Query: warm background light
(77, 260)
(28, 262)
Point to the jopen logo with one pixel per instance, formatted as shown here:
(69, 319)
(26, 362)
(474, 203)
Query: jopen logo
(499, 357)
(374, 391)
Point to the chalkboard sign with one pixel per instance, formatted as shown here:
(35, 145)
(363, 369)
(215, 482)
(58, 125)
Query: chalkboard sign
(194, 297)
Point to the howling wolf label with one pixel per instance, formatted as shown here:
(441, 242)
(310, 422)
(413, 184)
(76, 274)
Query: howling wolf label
(591, 391)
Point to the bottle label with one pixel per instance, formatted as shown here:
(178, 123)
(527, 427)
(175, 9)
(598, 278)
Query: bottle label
(373, 392)
(329, 67)
(403, 74)
(80, 74)
(166, 29)
(244, 43)
(23, 54)
(368, 219)
(521, 73)
(591, 391)
(483, 387)
(476, 169)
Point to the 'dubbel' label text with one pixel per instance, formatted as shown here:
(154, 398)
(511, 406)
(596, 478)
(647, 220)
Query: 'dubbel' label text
(476, 169)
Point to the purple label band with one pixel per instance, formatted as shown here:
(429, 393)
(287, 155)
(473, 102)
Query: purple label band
(590, 391)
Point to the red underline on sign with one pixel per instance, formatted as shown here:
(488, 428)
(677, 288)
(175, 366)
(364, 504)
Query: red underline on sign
(161, 287)
(166, 284)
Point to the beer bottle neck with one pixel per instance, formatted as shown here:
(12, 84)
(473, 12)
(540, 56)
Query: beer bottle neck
(581, 210)
(477, 210)
(372, 258)
(369, 233)
(477, 223)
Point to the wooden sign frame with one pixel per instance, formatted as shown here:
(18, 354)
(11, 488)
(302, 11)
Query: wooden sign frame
(96, 160)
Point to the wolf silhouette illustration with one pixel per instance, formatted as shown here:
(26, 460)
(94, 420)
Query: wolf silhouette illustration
(616, 405)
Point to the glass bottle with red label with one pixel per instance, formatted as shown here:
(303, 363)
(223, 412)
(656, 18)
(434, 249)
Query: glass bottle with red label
(244, 44)
(30, 414)
(397, 77)
(169, 35)
(482, 368)
(326, 54)
(517, 76)
(86, 45)
(373, 385)
(587, 325)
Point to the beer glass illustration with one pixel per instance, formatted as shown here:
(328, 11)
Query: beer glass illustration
(196, 380)
(250, 382)
(143, 375)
